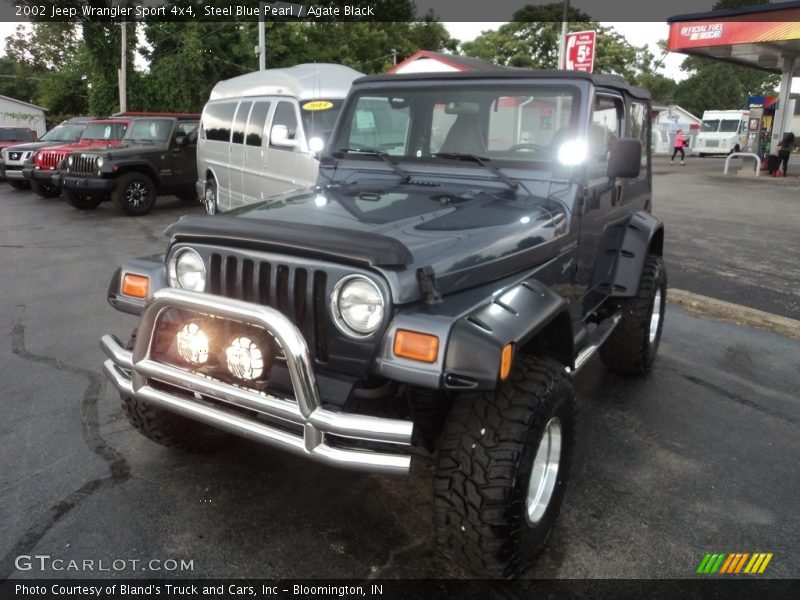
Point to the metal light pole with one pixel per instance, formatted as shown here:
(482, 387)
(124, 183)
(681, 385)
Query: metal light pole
(563, 39)
(262, 39)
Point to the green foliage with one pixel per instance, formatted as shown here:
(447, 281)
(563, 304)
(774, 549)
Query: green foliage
(531, 40)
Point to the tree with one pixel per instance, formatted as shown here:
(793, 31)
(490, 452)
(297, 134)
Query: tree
(531, 40)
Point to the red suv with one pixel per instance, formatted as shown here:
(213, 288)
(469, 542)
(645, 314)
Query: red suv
(99, 133)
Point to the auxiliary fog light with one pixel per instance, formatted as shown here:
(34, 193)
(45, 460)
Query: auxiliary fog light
(246, 359)
(192, 344)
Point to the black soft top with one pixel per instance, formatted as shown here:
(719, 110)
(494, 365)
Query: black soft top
(607, 81)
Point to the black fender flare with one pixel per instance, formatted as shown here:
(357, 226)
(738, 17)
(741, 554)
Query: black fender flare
(516, 316)
(152, 267)
(139, 166)
(644, 234)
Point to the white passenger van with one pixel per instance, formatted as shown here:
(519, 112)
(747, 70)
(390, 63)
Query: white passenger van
(261, 133)
(722, 132)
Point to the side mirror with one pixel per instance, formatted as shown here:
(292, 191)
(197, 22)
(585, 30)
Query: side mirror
(181, 139)
(279, 136)
(624, 158)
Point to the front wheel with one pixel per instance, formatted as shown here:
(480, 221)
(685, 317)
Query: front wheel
(210, 197)
(632, 346)
(134, 194)
(19, 185)
(502, 469)
(81, 201)
(45, 190)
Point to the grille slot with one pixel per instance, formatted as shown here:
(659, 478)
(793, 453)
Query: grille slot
(83, 165)
(50, 159)
(297, 292)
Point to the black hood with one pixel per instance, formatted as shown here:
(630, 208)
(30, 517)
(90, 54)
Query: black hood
(467, 233)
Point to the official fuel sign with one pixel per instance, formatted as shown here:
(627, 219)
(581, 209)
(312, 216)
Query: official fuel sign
(579, 51)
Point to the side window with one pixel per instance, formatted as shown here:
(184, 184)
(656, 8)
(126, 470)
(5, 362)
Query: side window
(255, 126)
(285, 115)
(605, 126)
(640, 129)
(240, 122)
(216, 123)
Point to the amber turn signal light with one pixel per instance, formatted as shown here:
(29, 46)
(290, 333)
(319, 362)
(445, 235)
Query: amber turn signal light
(135, 285)
(505, 361)
(416, 346)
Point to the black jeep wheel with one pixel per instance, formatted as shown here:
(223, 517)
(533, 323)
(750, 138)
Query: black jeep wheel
(210, 197)
(45, 190)
(502, 469)
(134, 194)
(632, 346)
(19, 185)
(173, 430)
(81, 201)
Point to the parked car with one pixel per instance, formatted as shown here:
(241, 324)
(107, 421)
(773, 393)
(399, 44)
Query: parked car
(14, 158)
(157, 156)
(11, 136)
(44, 170)
(472, 239)
(261, 133)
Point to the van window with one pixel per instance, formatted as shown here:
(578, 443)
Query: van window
(729, 126)
(285, 115)
(711, 125)
(255, 126)
(240, 122)
(216, 124)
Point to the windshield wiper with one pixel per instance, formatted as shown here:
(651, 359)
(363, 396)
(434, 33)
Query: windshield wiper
(513, 184)
(384, 156)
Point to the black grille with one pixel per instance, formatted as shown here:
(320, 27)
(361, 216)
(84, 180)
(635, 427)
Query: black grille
(83, 164)
(297, 292)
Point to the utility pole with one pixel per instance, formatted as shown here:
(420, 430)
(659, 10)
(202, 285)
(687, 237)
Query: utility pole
(123, 83)
(394, 56)
(262, 40)
(563, 39)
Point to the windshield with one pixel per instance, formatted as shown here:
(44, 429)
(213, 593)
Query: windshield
(729, 126)
(105, 131)
(709, 125)
(153, 130)
(319, 117)
(506, 124)
(13, 134)
(63, 133)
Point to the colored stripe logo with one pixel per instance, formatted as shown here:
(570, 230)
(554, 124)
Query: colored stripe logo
(732, 563)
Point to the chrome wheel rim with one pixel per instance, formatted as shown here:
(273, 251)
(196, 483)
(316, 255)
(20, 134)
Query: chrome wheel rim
(210, 200)
(137, 194)
(655, 317)
(544, 474)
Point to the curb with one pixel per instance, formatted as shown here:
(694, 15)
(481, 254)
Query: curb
(741, 315)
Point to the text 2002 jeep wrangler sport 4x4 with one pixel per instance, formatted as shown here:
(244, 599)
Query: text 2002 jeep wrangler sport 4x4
(472, 240)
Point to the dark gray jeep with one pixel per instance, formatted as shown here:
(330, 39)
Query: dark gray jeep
(472, 240)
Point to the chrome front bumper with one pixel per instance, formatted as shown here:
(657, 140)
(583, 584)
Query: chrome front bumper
(133, 373)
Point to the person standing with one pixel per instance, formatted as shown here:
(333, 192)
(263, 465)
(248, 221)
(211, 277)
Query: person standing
(680, 142)
(784, 151)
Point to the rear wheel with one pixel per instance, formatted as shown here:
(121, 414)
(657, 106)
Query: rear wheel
(502, 469)
(134, 194)
(632, 346)
(45, 190)
(19, 185)
(81, 201)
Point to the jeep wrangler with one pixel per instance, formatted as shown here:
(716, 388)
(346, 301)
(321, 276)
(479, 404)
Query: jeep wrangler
(157, 156)
(472, 240)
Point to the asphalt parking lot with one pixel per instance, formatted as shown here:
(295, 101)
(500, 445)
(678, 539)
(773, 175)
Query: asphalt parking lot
(699, 456)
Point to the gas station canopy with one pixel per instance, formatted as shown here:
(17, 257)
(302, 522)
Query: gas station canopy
(766, 36)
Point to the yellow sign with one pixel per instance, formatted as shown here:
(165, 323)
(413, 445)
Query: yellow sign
(318, 105)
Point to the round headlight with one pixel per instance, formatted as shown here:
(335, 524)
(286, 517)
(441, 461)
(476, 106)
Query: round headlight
(187, 271)
(357, 306)
(192, 344)
(99, 162)
(245, 358)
